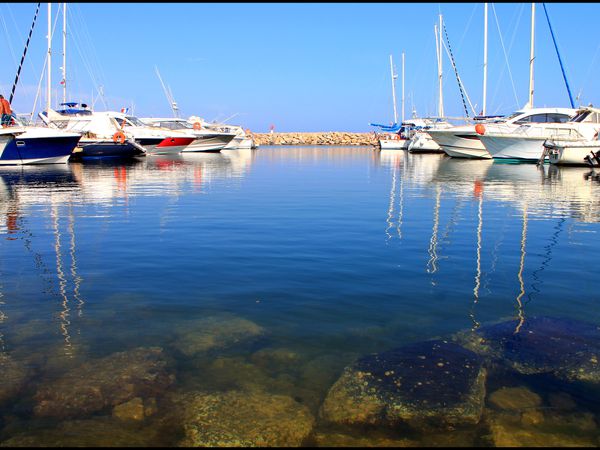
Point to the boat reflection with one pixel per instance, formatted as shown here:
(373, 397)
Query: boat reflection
(546, 193)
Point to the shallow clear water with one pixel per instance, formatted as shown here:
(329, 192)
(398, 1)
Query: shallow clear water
(336, 252)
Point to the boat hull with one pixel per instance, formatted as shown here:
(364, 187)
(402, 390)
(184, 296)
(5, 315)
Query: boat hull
(172, 145)
(422, 143)
(522, 148)
(106, 149)
(571, 153)
(460, 144)
(208, 143)
(38, 150)
(393, 144)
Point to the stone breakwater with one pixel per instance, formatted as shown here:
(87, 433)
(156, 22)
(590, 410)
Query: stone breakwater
(321, 138)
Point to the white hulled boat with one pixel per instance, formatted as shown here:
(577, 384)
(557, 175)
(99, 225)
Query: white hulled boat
(205, 140)
(464, 141)
(526, 143)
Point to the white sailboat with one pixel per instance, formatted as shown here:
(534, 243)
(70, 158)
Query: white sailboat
(421, 141)
(465, 141)
(393, 139)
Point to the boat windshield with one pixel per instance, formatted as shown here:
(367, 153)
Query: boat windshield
(135, 121)
(587, 116)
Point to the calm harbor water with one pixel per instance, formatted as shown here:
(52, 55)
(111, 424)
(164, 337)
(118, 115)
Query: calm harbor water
(288, 263)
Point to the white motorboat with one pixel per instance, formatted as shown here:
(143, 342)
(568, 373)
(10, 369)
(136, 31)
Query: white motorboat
(205, 140)
(111, 133)
(573, 153)
(464, 141)
(422, 142)
(241, 141)
(526, 143)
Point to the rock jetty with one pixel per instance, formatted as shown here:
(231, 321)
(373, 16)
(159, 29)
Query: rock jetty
(320, 138)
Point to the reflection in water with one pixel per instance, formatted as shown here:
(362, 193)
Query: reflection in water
(478, 193)
(433, 242)
(547, 258)
(62, 282)
(521, 311)
(158, 246)
(75, 276)
(391, 207)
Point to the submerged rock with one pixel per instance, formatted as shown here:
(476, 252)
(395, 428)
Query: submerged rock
(568, 349)
(131, 410)
(13, 375)
(105, 382)
(97, 432)
(510, 430)
(423, 383)
(212, 333)
(237, 418)
(337, 439)
(515, 398)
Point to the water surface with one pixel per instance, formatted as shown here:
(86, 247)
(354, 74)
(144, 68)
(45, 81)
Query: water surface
(336, 252)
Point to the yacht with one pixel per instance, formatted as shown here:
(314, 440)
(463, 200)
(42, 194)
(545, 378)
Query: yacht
(573, 153)
(526, 143)
(577, 152)
(421, 140)
(464, 141)
(114, 134)
(205, 140)
(241, 141)
(23, 143)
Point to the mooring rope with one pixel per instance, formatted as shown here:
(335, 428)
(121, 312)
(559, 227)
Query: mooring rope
(12, 92)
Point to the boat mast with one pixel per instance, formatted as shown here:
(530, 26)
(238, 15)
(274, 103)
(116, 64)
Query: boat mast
(439, 54)
(64, 66)
(48, 81)
(402, 86)
(394, 76)
(168, 94)
(485, 45)
(531, 56)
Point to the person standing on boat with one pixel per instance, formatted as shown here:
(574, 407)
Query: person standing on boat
(6, 111)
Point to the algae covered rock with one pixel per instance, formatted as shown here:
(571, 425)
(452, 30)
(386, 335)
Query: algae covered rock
(568, 349)
(97, 432)
(433, 382)
(215, 332)
(105, 382)
(242, 419)
(515, 398)
(559, 430)
(14, 376)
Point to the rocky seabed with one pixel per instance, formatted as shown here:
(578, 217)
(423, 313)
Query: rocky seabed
(321, 138)
(219, 381)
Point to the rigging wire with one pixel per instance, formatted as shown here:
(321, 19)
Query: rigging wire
(505, 55)
(86, 63)
(10, 47)
(562, 68)
(463, 93)
(512, 41)
(12, 92)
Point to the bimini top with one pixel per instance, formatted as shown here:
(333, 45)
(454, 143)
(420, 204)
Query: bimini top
(72, 109)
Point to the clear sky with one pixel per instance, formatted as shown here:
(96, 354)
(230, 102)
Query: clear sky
(300, 67)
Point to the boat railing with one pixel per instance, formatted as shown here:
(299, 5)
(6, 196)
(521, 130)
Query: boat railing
(548, 132)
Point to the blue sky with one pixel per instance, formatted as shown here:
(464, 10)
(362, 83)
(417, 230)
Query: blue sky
(300, 67)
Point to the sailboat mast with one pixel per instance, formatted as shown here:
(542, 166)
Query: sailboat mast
(48, 81)
(394, 76)
(531, 55)
(440, 95)
(64, 65)
(485, 56)
(402, 86)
